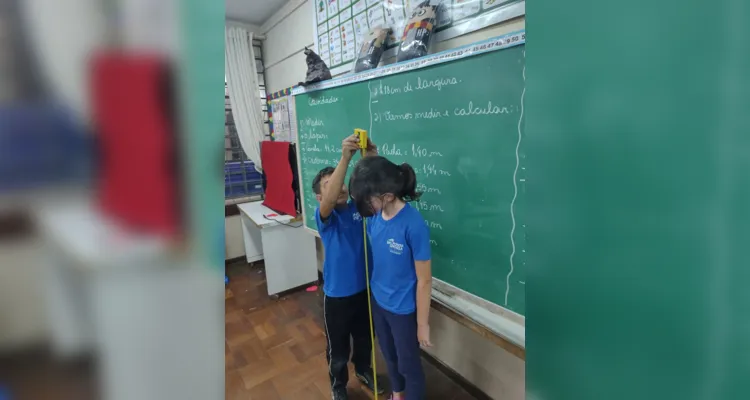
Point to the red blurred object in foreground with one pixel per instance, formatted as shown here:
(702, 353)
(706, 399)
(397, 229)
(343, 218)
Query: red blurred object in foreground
(137, 180)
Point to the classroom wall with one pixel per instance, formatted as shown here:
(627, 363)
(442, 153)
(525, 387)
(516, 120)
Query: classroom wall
(493, 370)
(287, 33)
(62, 35)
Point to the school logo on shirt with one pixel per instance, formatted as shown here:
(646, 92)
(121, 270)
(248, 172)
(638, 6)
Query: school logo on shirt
(356, 217)
(395, 247)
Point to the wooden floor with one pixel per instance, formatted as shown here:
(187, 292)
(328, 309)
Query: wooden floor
(275, 349)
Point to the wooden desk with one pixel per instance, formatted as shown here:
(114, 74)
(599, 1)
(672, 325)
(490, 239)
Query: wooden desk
(288, 251)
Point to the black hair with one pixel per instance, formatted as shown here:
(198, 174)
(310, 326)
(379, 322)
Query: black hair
(320, 175)
(375, 176)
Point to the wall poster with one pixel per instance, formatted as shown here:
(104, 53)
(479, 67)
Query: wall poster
(341, 25)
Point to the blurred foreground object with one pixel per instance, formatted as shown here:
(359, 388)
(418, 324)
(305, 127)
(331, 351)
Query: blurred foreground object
(133, 102)
(125, 298)
(19, 77)
(114, 287)
(41, 141)
(41, 144)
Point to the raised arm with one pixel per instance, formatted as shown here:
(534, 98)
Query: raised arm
(330, 192)
(372, 149)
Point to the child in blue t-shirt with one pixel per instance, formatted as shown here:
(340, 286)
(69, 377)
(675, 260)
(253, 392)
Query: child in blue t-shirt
(345, 310)
(401, 281)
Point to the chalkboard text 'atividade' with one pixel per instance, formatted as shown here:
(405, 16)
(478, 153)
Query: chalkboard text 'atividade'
(312, 102)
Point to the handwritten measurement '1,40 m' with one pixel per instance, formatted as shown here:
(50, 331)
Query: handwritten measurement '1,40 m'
(390, 149)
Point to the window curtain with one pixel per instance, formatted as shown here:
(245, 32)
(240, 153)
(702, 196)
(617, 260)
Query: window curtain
(242, 82)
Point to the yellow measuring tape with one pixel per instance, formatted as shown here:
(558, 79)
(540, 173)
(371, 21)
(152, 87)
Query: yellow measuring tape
(362, 134)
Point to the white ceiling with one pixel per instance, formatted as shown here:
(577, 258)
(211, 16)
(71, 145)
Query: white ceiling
(254, 12)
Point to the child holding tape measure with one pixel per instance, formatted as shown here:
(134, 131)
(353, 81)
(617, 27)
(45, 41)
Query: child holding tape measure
(401, 281)
(345, 305)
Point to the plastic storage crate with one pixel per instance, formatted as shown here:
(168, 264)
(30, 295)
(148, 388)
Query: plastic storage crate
(241, 179)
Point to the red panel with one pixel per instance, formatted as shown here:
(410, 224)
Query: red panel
(279, 177)
(137, 174)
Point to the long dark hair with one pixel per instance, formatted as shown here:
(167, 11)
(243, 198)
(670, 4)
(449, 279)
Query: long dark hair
(376, 176)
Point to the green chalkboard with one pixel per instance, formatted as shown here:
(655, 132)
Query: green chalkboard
(460, 125)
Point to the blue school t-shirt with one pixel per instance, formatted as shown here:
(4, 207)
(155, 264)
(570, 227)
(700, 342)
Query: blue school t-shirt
(344, 264)
(396, 244)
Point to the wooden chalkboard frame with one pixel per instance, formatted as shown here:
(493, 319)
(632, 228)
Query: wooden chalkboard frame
(503, 327)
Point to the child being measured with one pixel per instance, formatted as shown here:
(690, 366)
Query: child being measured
(401, 281)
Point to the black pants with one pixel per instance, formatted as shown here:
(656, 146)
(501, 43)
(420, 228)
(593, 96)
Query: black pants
(345, 317)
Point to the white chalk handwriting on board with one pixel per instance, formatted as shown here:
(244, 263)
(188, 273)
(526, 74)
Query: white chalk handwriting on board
(383, 89)
(424, 205)
(313, 136)
(312, 102)
(491, 109)
(311, 122)
(419, 151)
(423, 188)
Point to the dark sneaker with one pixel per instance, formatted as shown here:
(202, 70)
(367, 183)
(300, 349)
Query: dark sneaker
(340, 394)
(369, 381)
